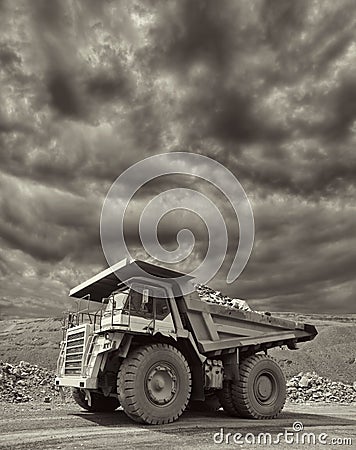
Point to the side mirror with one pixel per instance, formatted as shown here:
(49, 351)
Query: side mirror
(105, 301)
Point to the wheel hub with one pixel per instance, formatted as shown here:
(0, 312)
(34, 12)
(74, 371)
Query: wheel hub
(161, 384)
(265, 388)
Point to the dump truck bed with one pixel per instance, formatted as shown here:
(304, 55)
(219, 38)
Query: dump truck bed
(217, 328)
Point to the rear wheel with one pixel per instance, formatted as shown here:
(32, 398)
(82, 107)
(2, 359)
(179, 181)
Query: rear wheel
(260, 392)
(154, 384)
(99, 403)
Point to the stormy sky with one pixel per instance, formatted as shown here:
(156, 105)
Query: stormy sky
(267, 88)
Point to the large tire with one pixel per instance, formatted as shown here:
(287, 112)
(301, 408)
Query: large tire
(260, 392)
(210, 404)
(154, 384)
(225, 397)
(99, 403)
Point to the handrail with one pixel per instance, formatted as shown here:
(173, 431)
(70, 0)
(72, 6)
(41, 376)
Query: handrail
(73, 319)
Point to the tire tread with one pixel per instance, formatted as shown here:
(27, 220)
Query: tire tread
(239, 391)
(125, 389)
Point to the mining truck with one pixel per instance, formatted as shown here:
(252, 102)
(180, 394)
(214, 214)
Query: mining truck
(155, 351)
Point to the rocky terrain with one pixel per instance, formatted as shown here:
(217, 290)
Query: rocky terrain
(25, 382)
(311, 387)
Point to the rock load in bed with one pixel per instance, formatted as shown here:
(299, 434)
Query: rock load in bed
(211, 296)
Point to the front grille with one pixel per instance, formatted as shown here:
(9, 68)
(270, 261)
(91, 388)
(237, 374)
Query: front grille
(74, 352)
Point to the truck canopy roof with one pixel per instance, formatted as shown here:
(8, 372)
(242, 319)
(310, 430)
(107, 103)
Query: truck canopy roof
(104, 283)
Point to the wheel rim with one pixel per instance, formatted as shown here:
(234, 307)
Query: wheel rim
(161, 384)
(266, 388)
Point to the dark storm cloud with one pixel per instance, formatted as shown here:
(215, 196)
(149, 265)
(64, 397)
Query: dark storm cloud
(105, 87)
(293, 43)
(342, 106)
(4, 270)
(227, 124)
(194, 31)
(312, 176)
(8, 57)
(63, 95)
(282, 20)
(49, 226)
(307, 37)
(73, 85)
(301, 251)
(51, 14)
(218, 39)
(266, 88)
(10, 127)
(52, 21)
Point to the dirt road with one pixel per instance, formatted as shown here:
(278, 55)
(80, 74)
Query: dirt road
(67, 427)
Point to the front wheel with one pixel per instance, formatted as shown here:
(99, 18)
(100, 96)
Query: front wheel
(260, 392)
(154, 384)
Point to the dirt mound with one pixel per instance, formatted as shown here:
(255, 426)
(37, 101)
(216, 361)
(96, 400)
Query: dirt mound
(332, 354)
(33, 340)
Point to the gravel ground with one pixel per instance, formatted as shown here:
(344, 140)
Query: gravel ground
(62, 426)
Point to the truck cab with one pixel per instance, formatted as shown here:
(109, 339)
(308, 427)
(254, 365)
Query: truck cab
(138, 307)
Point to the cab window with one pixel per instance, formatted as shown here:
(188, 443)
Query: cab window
(148, 302)
(140, 304)
(160, 302)
(162, 309)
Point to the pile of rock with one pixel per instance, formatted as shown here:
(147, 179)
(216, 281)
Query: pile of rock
(24, 382)
(209, 295)
(311, 387)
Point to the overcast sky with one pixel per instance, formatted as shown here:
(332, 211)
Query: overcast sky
(267, 88)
